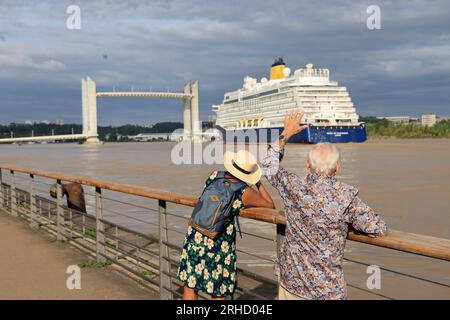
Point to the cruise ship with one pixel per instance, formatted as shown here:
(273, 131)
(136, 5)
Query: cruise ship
(259, 107)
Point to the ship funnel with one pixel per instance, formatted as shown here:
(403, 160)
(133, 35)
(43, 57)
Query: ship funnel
(276, 71)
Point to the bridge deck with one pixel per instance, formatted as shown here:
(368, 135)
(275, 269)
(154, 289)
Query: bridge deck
(33, 267)
(141, 94)
(45, 138)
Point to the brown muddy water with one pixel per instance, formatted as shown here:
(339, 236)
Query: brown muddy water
(406, 181)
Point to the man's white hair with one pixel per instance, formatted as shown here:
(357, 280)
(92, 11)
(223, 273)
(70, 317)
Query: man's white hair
(324, 158)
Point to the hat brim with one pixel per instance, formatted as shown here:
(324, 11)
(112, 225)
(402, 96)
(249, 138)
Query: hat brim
(250, 179)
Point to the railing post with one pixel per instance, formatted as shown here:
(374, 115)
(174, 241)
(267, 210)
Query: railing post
(2, 195)
(13, 195)
(59, 212)
(165, 283)
(99, 228)
(281, 231)
(33, 207)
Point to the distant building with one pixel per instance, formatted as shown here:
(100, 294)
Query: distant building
(33, 122)
(397, 119)
(144, 137)
(443, 118)
(428, 120)
(59, 122)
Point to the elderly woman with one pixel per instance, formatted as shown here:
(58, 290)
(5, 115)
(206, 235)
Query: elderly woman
(209, 264)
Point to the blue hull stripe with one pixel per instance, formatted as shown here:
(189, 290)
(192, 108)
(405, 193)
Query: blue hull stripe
(312, 134)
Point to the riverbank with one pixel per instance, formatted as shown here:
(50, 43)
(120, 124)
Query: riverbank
(384, 128)
(377, 137)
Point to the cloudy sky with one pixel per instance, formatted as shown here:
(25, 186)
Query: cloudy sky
(403, 68)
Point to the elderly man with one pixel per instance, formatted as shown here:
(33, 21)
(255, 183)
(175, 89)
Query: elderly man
(319, 209)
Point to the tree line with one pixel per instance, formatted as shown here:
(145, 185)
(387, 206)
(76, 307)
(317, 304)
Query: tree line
(385, 128)
(41, 129)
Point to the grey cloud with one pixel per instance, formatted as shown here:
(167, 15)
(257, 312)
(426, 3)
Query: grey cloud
(401, 69)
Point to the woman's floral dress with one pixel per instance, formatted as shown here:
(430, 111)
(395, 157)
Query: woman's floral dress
(210, 265)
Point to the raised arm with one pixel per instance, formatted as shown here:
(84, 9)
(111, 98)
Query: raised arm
(362, 218)
(277, 176)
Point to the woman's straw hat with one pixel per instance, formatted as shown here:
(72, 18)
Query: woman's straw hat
(243, 166)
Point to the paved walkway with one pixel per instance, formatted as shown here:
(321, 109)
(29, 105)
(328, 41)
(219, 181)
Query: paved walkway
(34, 267)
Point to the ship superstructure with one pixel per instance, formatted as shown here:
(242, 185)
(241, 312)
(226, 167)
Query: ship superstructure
(329, 110)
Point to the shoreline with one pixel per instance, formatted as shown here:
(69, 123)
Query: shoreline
(369, 138)
(403, 138)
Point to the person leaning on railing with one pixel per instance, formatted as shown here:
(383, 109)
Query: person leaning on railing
(207, 264)
(319, 210)
(74, 193)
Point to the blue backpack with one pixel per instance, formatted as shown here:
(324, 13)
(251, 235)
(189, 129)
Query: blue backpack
(213, 210)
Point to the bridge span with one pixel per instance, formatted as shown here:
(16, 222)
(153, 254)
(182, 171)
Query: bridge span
(143, 94)
(45, 138)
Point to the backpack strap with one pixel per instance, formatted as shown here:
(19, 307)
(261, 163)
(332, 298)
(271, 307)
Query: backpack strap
(238, 225)
(220, 175)
(236, 186)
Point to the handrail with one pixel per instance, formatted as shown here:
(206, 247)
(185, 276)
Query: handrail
(168, 196)
(428, 246)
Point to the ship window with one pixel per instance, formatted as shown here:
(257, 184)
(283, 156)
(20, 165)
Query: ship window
(260, 94)
(230, 101)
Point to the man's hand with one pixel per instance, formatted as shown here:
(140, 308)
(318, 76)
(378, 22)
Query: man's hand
(292, 124)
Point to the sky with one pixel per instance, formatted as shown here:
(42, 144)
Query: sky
(403, 68)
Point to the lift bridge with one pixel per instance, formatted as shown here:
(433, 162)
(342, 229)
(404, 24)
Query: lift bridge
(89, 95)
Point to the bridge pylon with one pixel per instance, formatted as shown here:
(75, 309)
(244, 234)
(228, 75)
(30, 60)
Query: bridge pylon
(89, 110)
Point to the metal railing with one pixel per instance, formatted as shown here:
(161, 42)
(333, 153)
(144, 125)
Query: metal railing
(125, 226)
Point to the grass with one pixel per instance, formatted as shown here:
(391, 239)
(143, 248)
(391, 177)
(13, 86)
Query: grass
(146, 272)
(95, 264)
(90, 233)
(154, 236)
(110, 243)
